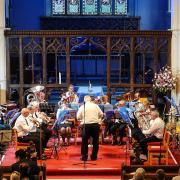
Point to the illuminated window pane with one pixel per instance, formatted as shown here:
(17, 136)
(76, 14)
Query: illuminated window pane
(90, 7)
(120, 7)
(106, 7)
(58, 7)
(73, 6)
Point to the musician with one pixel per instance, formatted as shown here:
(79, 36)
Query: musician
(36, 125)
(118, 128)
(154, 133)
(142, 113)
(71, 96)
(41, 120)
(109, 114)
(24, 131)
(62, 124)
(105, 99)
(90, 116)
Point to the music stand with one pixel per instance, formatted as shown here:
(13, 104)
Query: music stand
(60, 117)
(56, 148)
(5, 136)
(125, 115)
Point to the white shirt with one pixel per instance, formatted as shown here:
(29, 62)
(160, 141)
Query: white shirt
(75, 99)
(30, 122)
(36, 115)
(156, 128)
(93, 113)
(22, 126)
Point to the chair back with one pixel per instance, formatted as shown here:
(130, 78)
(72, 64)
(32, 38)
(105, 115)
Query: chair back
(166, 138)
(18, 145)
(109, 115)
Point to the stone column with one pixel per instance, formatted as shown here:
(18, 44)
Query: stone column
(2, 54)
(175, 46)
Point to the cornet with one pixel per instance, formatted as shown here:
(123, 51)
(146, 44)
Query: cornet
(34, 120)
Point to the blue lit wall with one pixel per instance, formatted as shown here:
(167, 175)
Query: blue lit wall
(24, 14)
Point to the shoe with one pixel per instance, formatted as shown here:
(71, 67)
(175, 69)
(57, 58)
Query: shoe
(93, 158)
(83, 159)
(115, 143)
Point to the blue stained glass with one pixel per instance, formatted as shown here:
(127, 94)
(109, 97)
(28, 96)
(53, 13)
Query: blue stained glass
(90, 7)
(58, 7)
(73, 7)
(106, 7)
(120, 7)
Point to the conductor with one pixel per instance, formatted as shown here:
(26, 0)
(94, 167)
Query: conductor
(90, 116)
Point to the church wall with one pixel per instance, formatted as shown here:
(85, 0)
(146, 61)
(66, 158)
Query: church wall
(154, 13)
(25, 14)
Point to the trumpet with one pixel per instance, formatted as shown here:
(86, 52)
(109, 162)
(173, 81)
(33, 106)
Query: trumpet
(44, 117)
(34, 120)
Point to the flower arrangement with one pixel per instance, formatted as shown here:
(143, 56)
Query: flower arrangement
(164, 81)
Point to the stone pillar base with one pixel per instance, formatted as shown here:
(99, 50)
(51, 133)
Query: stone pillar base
(2, 96)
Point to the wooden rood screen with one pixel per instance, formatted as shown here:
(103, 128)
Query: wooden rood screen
(120, 60)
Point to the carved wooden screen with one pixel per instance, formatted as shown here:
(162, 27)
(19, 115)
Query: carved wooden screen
(120, 60)
(14, 61)
(144, 60)
(56, 60)
(88, 60)
(129, 59)
(32, 60)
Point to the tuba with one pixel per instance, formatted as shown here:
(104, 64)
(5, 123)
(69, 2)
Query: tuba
(34, 94)
(30, 97)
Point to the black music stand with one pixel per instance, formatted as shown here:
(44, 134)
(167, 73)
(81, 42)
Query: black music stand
(84, 133)
(56, 148)
(5, 137)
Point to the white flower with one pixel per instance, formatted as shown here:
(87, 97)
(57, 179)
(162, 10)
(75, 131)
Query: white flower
(164, 80)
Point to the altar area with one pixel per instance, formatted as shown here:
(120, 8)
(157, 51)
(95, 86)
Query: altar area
(89, 90)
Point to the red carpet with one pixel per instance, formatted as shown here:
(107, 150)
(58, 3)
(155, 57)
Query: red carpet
(69, 165)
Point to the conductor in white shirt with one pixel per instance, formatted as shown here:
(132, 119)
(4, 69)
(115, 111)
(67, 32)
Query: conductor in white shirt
(90, 116)
(154, 133)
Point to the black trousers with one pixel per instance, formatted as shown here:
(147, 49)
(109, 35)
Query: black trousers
(35, 137)
(46, 134)
(90, 130)
(143, 143)
(118, 129)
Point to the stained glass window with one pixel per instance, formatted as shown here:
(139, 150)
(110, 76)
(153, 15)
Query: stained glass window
(73, 7)
(90, 7)
(120, 7)
(105, 7)
(58, 7)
